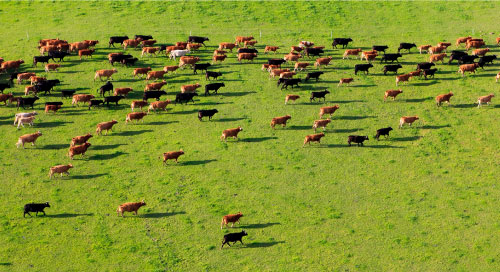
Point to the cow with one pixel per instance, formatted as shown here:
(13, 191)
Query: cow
(210, 74)
(52, 67)
(24, 76)
(407, 120)
(351, 52)
(228, 46)
(12, 77)
(60, 169)
(201, 67)
(86, 52)
(230, 218)
(6, 97)
(107, 126)
(153, 94)
(122, 91)
(185, 97)
(315, 75)
(296, 49)
(76, 46)
(480, 52)
(233, 132)
(291, 82)
(146, 43)
(425, 65)
(213, 87)
(78, 150)
(362, 67)
(415, 73)
(292, 57)
(276, 62)
(217, 58)
(246, 56)
(172, 155)
(462, 40)
(26, 101)
(356, 139)
(280, 121)
(108, 87)
(249, 43)
(193, 46)
(22, 115)
(287, 75)
(67, 93)
(131, 42)
(169, 49)
(474, 44)
(198, 39)
(429, 73)
(402, 78)
(269, 48)
(242, 39)
(487, 59)
(369, 56)
(291, 97)
(155, 86)
(129, 207)
(437, 57)
(91, 42)
(188, 61)
(341, 41)
(383, 132)
(171, 68)
(443, 98)
(319, 95)
(301, 66)
(28, 138)
(311, 52)
(466, 59)
(95, 103)
(135, 116)
(117, 57)
(178, 53)
(190, 88)
(424, 48)
(58, 55)
(78, 140)
(392, 93)
(143, 37)
(53, 108)
(42, 59)
(36, 208)
(406, 46)
(380, 48)
(313, 138)
(328, 110)
(468, 68)
(37, 79)
(321, 123)
(390, 57)
(159, 105)
(25, 120)
(105, 73)
(305, 44)
(155, 75)
(149, 51)
(392, 68)
(129, 61)
(141, 71)
(233, 237)
(138, 104)
(219, 52)
(12, 64)
(113, 99)
(498, 41)
(345, 81)
(209, 113)
(484, 99)
(436, 50)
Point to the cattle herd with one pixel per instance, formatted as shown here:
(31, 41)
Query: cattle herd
(185, 52)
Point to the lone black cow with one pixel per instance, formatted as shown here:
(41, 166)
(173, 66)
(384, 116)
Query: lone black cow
(357, 139)
(204, 113)
(383, 132)
(233, 237)
(35, 207)
(213, 87)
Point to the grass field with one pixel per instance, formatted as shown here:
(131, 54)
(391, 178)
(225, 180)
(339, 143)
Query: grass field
(426, 199)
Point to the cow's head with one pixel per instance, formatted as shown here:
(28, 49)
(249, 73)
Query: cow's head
(70, 165)
(46, 204)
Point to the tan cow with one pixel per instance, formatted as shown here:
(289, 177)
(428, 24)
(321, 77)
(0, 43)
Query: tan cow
(480, 52)
(219, 52)
(242, 39)
(86, 52)
(172, 155)
(155, 86)
(231, 218)
(148, 43)
(474, 44)
(246, 56)
(60, 169)
(107, 126)
(24, 76)
(29, 89)
(313, 138)
(52, 67)
(371, 52)
(25, 120)
(78, 140)
(217, 58)
(85, 98)
(130, 207)
(155, 75)
(135, 116)
(149, 51)
(271, 49)
(186, 60)
(191, 88)
(370, 57)
(321, 123)
(392, 93)
(141, 71)
(171, 68)
(436, 49)
(277, 72)
(443, 98)
(122, 91)
(327, 110)
(162, 105)
(232, 132)
(287, 74)
(280, 120)
(193, 46)
(76, 46)
(296, 49)
(403, 78)
(292, 57)
(424, 48)
(462, 40)
(249, 43)
(484, 99)
(28, 138)
(345, 81)
(322, 61)
(131, 43)
(351, 52)
(12, 64)
(228, 46)
(291, 97)
(301, 66)
(437, 57)
(444, 44)
(138, 104)
(468, 68)
(407, 120)
(53, 108)
(105, 73)
(37, 79)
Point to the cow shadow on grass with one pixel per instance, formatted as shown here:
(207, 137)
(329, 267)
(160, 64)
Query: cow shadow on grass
(184, 112)
(406, 139)
(90, 176)
(55, 146)
(131, 132)
(362, 86)
(355, 145)
(5, 122)
(417, 100)
(300, 127)
(105, 147)
(68, 215)
(160, 215)
(159, 123)
(345, 130)
(201, 162)
(5, 264)
(230, 119)
(258, 139)
(434, 127)
(259, 245)
(213, 103)
(259, 226)
(106, 156)
(419, 84)
(52, 124)
(352, 117)
(236, 93)
(464, 106)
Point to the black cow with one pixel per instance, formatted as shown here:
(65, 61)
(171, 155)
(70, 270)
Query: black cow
(362, 67)
(201, 67)
(390, 57)
(68, 93)
(429, 72)
(184, 97)
(128, 62)
(275, 61)
(26, 101)
(466, 59)
(248, 50)
(281, 80)
(143, 37)
(58, 55)
(356, 139)
(233, 237)
(117, 39)
(12, 77)
(380, 48)
(162, 48)
(487, 59)
(54, 103)
(456, 55)
(425, 65)
(95, 102)
(108, 87)
(383, 132)
(215, 75)
(113, 99)
(153, 94)
(198, 39)
(406, 46)
(35, 207)
(319, 95)
(341, 41)
(119, 58)
(291, 82)
(42, 59)
(204, 113)
(314, 51)
(392, 68)
(213, 87)
(4, 86)
(46, 86)
(315, 75)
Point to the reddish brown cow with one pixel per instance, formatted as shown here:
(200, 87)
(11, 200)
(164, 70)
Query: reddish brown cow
(474, 44)
(301, 66)
(28, 138)
(51, 67)
(468, 68)
(12, 64)
(149, 51)
(85, 98)
(403, 78)
(322, 61)
(424, 48)
(138, 104)
(480, 52)
(155, 86)
(228, 46)
(141, 71)
(122, 91)
(249, 43)
(130, 207)
(107, 126)
(6, 97)
(172, 155)
(345, 81)
(321, 123)
(271, 49)
(351, 52)
(436, 49)
(131, 43)
(233, 132)
(437, 57)
(155, 75)
(292, 57)
(53, 108)
(392, 93)
(217, 58)
(193, 46)
(462, 40)
(162, 105)
(135, 116)
(242, 39)
(280, 121)
(484, 99)
(148, 43)
(246, 56)
(172, 68)
(60, 169)
(277, 72)
(105, 73)
(78, 140)
(191, 88)
(313, 138)
(78, 150)
(24, 76)
(230, 218)
(292, 97)
(73, 47)
(328, 110)
(86, 52)
(443, 98)
(407, 120)
(185, 60)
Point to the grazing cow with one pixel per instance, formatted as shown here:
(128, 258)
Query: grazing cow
(327, 110)
(362, 67)
(462, 40)
(105, 73)
(319, 95)
(171, 68)
(24, 76)
(425, 65)
(131, 43)
(246, 56)
(424, 48)
(345, 81)
(383, 131)
(291, 82)
(443, 98)
(53, 108)
(228, 46)
(232, 132)
(277, 62)
(60, 169)
(113, 99)
(230, 218)
(26, 101)
(162, 105)
(153, 94)
(322, 61)
(198, 39)
(201, 67)
(28, 138)
(188, 61)
(122, 91)
(95, 103)
(437, 57)
(213, 87)
(271, 49)
(436, 50)
(351, 52)
(78, 150)
(204, 113)
(233, 237)
(78, 140)
(149, 51)
(25, 120)
(129, 61)
(301, 66)
(155, 86)
(217, 58)
(108, 87)
(280, 121)
(52, 67)
(392, 93)
(380, 48)
(484, 99)
(185, 97)
(287, 74)
(138, 104)
(141, 71)
(107, 126)
(321, 123)
(146, 43)
(357, 139)
(36, 208)
(291, 97)
(406, 46)
(86, 52)
(135, 116)
(129, 207)
(190, 88)
(402, 78)
(292, 57)
(429, 73)
(407, 120)
(390, 57)
(313, 138)
(242, 39)
(57, 55)
(341, 41)
(178, 53)
(468, 68)
(12, 64)
(480, 52)
(392, 68)
(155, 75)
(42, 59)
(209, 74)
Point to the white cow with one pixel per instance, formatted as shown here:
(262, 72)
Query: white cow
(23, 114)
(178, 53)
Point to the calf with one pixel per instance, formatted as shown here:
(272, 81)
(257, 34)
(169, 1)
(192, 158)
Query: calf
(25, 120)
(113, 99)
(105, 73)
(78, 150)
(60, 169)
(107, 126)
(345, 81)
(484, 99)
(380, 48)
(108, 87)
(392, 68)
(185, 97)
(95, 103)
(328, 110)
(468, 68)
(191, 88)
(130, 207)
(383, 132)
(155, 86)
(215, 75)
(319, 95)
(291, 82)
(23, 114)
(233, 132)
(357, 139)
(36, 208)
(362, 67)
(162, 105)
(51, 67)
(321, 123)
(406, 46)
(280, 121)
(392, 93)
(122, 91)
(292, 97)
(443, 98)
(138, 104)
(141, 71)
(390, 57)
(313, 138)
(429, 73)
(201, 67)
(213, 87)
(78, 140)
(53, 108)
(437, 57)
(315, 75)
(407, 120)
(322, 61)
(204, 113)
(233, 237)
(42, 59)
(28, 138)
(172, 155)
(341, 41)
(292, 57)
(231, 218)
(135, 116)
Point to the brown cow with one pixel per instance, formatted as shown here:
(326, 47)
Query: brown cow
(230, 218)
(474, 44)
(155, 86)
(351, 52)
(159, 105)
(327, 110)
(53, 108)
(29, 89)
(130, 207)
(437, 57)
(301, 66)
(484, 99)
(60, 169)
(498, 41)
(91, 42)
(370, 57)
(150, 51)
(424, 48)
(172, 68)
(228, 46)
(242, 39)
(277, 72)
(85, 98)
(138, 104)
(73, 47)
(249, 43)
(190, 88)
(172, 48)
(172, 155)
(12, 64)
(444, 44)
(135, 116)
(287, 74)
(322, 61)
(86, 52)
(480, 52)
(232, 132)
(462, 40)
(392, 93)
(407, 120)
(107, 126)
(122, 91)
(48, 48)
(193, 46)
(436, 49)
(185, 60)
(217, 58)
(148, 43)
(296, 49)
(219, 52)
(6, 97)
(246, 56)
(292, 97)
(131, 43)
(141, 71)
(105, 73)
(24, 76)
(321, 123)
(37, 79)
(181, 44)
(313, 138)
(443, 98)
(155, 75)
(52, 67)
(468, 68)
(345, 81)
(371, 52)
(280, 121)
(28, 138)
(271, 49)
(292, 57)
(78, 140)
(403, 78)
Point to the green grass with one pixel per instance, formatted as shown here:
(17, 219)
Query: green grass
(424, 200)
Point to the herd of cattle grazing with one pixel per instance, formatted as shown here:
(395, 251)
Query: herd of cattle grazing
(57, 49)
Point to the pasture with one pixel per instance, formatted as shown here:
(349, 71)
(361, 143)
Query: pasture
(425, 199)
